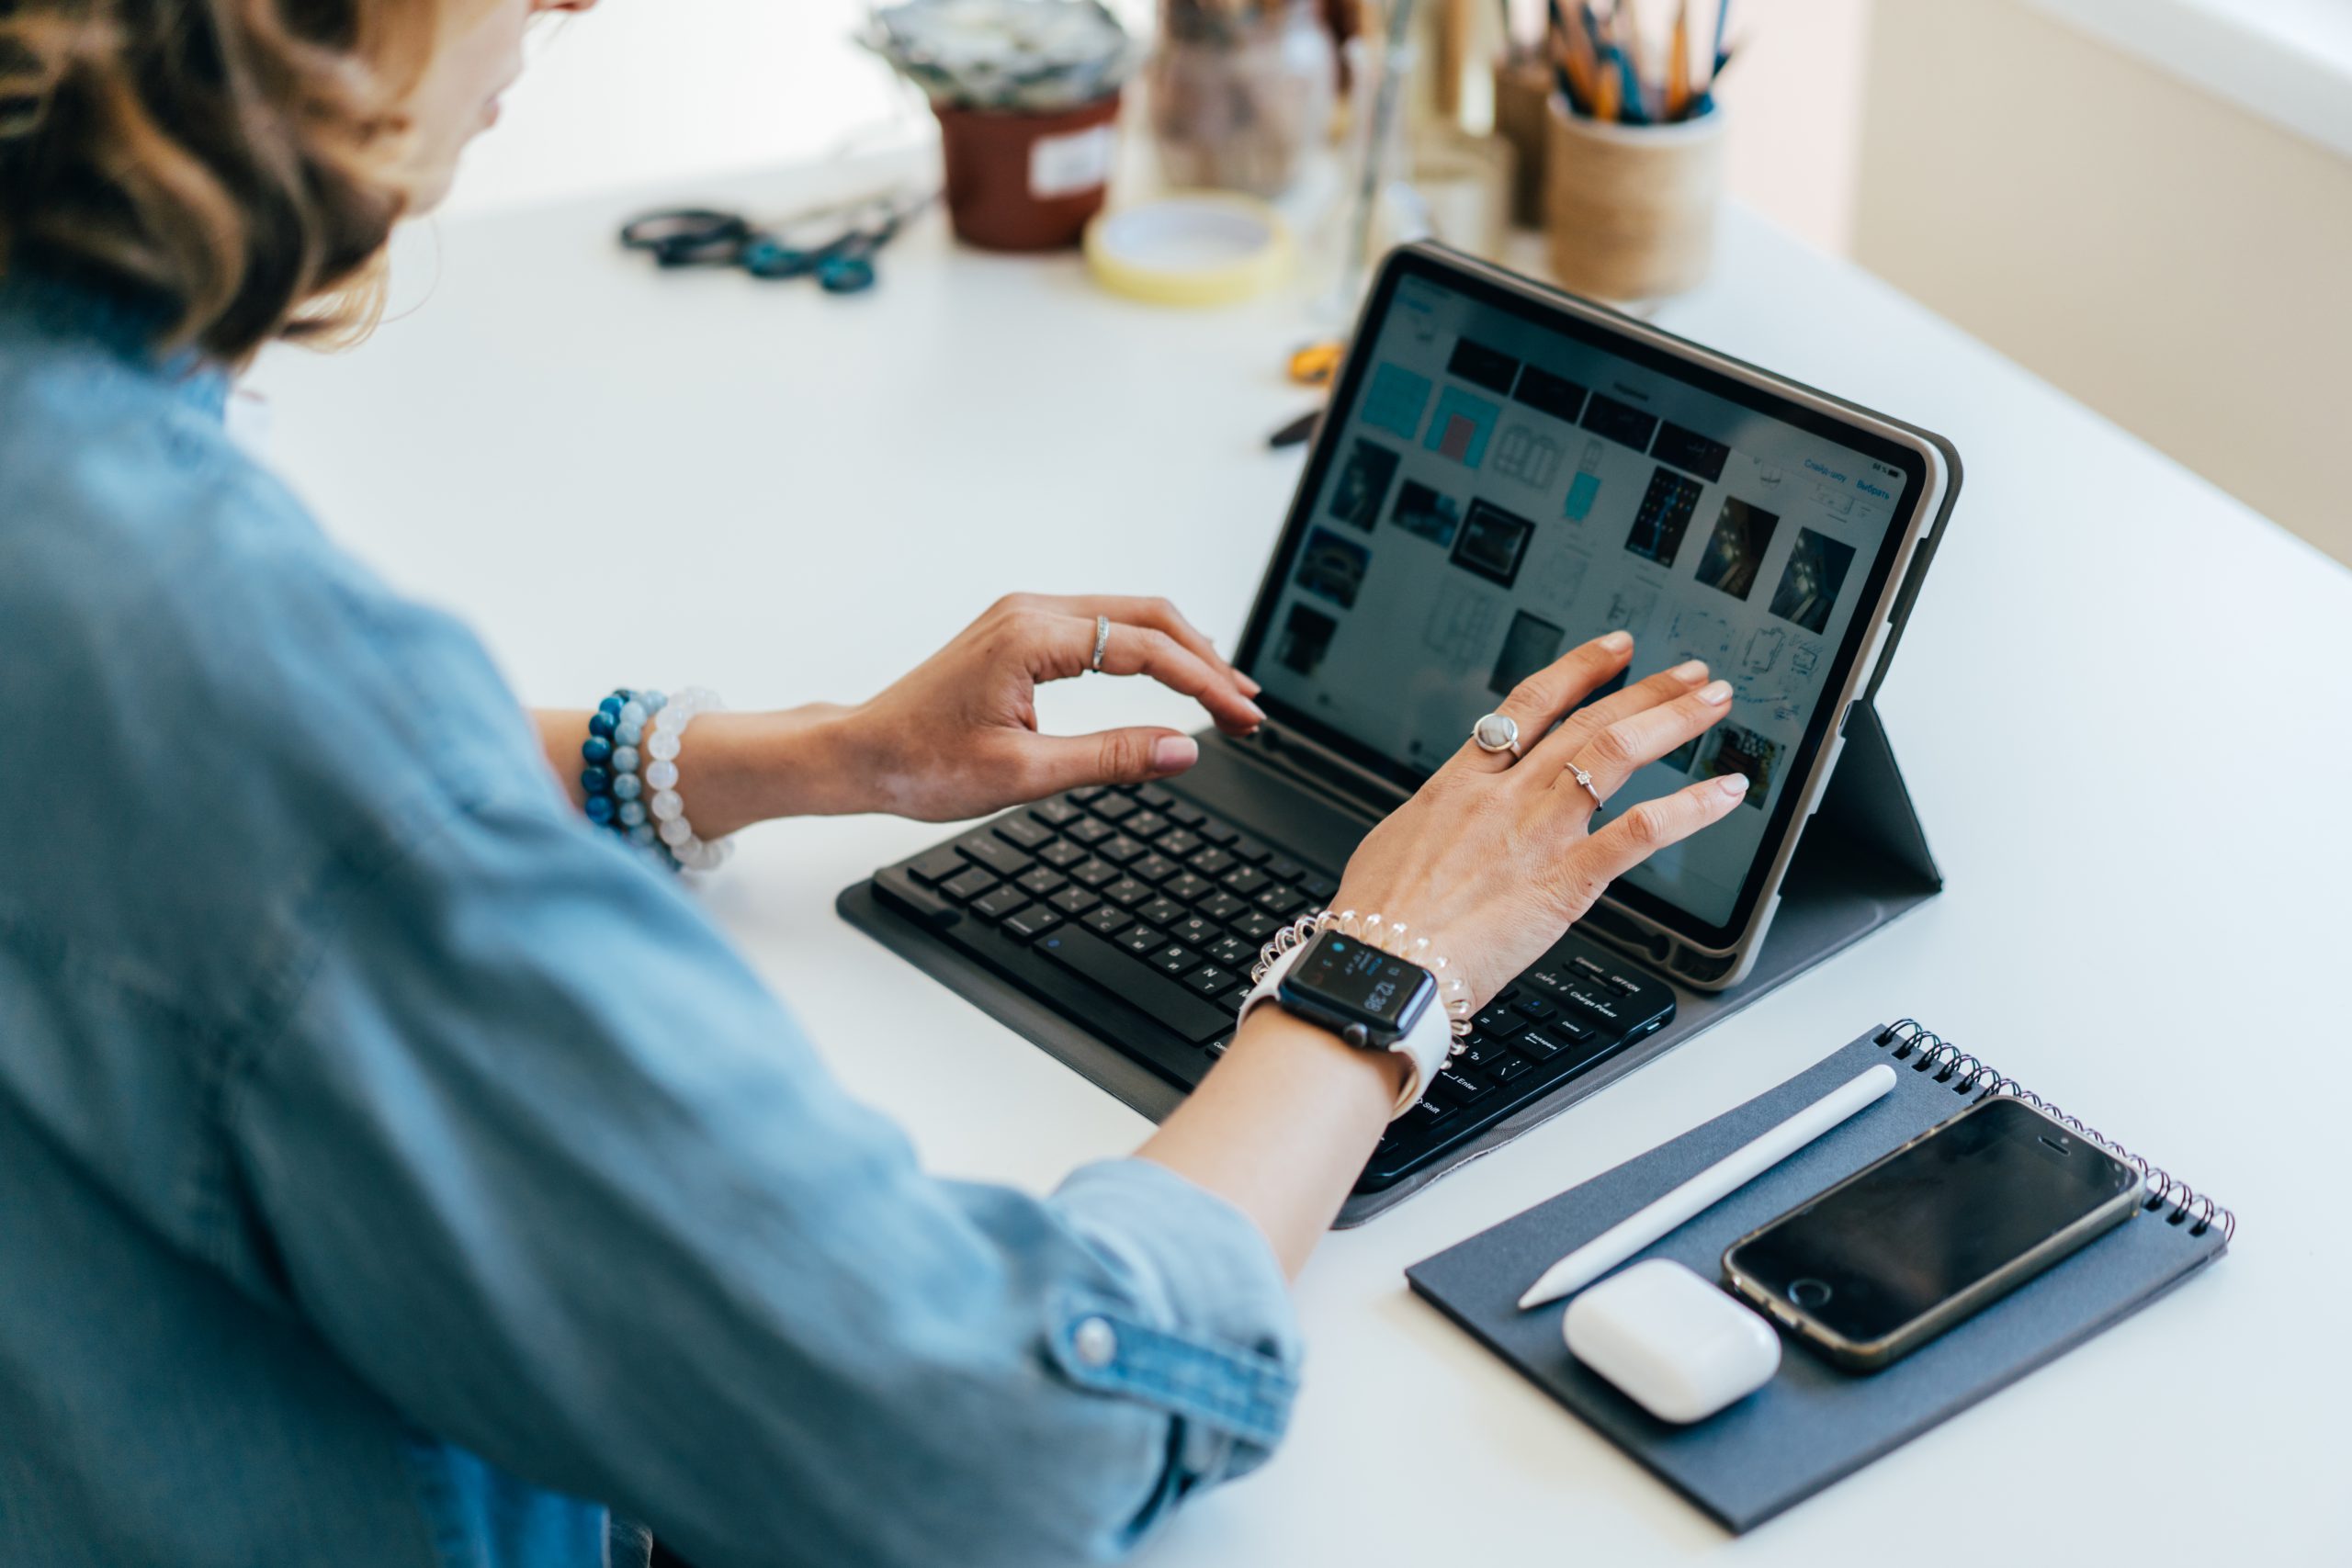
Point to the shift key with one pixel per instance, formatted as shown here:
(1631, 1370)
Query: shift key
(1137, 985)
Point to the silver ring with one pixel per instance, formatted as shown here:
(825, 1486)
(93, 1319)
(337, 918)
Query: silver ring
(1101, 641)
(1497, 732)
(1585, 778)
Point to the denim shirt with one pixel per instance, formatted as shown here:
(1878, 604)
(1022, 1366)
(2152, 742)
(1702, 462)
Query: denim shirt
(394, 1170)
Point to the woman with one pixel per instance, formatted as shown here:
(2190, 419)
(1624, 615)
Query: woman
(395, 1167)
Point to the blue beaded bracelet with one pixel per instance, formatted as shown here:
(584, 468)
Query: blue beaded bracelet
(612, 777)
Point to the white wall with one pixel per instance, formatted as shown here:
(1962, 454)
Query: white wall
(2181, 265)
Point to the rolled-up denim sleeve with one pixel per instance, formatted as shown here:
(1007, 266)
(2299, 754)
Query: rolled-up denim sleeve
(552, 1172)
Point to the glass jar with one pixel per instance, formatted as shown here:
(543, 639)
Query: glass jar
(1241, 91)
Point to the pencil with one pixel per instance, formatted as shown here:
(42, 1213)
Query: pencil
(1677, 64)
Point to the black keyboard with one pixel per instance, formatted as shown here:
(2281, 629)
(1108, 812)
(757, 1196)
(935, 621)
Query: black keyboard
(1139, 914)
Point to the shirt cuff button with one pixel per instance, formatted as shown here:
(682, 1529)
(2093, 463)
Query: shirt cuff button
(1095, 1342)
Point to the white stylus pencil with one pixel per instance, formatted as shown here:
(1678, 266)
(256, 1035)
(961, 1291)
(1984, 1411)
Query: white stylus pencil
(1719, 1180)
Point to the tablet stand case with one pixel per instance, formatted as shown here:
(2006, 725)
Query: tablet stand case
(1862, 862)
(1813, 1423)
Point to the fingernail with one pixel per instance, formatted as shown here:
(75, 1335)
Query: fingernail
(1617, 642)
(1257, 714)
(1734, 785)
(1715, 692)
(1250, 686)
(1692, 670)
(1174, 753)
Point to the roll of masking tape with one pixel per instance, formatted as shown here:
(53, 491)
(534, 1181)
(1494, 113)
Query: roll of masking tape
(1199, 248)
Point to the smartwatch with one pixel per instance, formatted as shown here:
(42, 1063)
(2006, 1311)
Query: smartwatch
(1371, 1000)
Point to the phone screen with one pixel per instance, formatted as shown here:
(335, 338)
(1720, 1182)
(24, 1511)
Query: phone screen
(1952, 1210)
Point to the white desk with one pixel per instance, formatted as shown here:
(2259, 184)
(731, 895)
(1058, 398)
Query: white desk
(2122, 708)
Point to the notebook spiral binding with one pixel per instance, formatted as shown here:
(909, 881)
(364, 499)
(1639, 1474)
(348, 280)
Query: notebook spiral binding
(1967, 1074)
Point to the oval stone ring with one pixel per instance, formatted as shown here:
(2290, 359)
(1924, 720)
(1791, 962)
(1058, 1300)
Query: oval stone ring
(1497, 732)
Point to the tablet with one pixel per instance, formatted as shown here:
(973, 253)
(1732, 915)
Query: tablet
(1506, 471)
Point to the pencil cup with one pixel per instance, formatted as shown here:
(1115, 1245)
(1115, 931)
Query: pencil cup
(1630, 209)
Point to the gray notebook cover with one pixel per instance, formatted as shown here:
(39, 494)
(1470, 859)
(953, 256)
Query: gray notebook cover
(1812, 1424)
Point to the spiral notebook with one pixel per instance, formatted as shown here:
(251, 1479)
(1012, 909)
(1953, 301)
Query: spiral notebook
(1813, 1424)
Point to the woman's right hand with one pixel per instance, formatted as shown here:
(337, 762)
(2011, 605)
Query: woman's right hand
(1491, 860)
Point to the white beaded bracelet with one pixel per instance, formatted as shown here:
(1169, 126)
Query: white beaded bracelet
(669, 808)
(1453, 990)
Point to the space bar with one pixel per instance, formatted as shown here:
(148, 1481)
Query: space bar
(1143, 988)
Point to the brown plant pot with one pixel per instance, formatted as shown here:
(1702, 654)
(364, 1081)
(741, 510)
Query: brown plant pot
(1026, 182)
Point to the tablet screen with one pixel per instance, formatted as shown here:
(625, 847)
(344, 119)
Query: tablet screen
(1507, 481)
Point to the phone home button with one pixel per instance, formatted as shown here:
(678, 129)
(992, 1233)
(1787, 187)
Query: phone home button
(1810, 1294)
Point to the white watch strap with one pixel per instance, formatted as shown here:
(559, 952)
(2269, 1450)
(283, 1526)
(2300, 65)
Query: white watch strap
(1428, 1045)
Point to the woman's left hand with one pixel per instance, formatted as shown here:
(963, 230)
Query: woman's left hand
(957, 736)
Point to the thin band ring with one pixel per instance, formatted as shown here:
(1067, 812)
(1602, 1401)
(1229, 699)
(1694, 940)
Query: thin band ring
(1101, 641)
(1585, 781)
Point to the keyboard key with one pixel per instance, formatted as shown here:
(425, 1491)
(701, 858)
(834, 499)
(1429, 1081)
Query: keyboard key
(1027, 925)
(1536, 1008)
(1161, 912)
(1317, 886)
(1145, 825)
(1000, 901)
(1171, 1004)
(1086, 830)
(1210, 980)
(1196, 932)
(1282, 868)
(1156, 797)
(1211, 862)
(1245, 847)
(1588, 968)
(1620, 984)
(970, 883)
(1143, 941)
(1510, 1067)
(1115, 807)
(1222, 908)
(1073, 901)
(937, 867)
(1154, 868)
(1120, 849)
(1174, 959)
(1279, 899)
(1245, 881)
(1232, 952)
(1425, 1114)
(1056, 813)
(1496, 1019)
(995, 853)
(1040, 880)
(1216, 832)
(1094, 873)
(1480, 1051)
(1187, 888)
(1090, 793)
(1177, 842)
(1024, 833)
(1185, 815)
(1539, 1045)
(1127, 892)
(1256, 928)
(1109, 920)
(1061, 854)
(1458, 1089)
(1568, 1029)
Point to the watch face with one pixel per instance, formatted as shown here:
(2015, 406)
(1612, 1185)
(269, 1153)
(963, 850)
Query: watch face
(1359, 983)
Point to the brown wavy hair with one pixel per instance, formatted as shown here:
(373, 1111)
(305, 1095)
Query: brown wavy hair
(237, 162)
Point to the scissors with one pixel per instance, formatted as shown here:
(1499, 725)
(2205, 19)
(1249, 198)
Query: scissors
(833, 245)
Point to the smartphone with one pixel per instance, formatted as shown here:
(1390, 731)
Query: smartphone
(1903, 1248)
